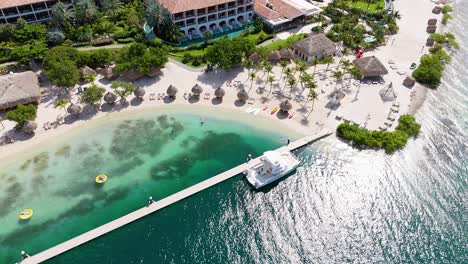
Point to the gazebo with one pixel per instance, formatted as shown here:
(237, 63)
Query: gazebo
(110, 98)
(197, 90)
(286, 54)
(315, 46)
(370, 67)
(388, 93)
(171, 91)
(243, 95)
(255, 57)
(219, 93)
(274, 56)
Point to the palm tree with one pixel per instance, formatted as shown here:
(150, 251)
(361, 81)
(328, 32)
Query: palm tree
(301, 68)
(112, 6)
(292, 83)
(338, 75)
(305, 78)
(248, 63)
(311, 85)
(315, 61)
(283, 65)
(328, 59)
(62, 104)
(271, 79)
(312, 95)
(344, 52)
(268, 69)
(252, 76)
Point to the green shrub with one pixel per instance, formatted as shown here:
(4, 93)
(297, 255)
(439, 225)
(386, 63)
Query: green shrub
(125, 40)
(21, 114)
(187, 58)
(407, 123)
(102, 41)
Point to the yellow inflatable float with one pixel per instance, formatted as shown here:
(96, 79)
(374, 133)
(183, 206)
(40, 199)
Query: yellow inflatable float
(26, 214)
(101, 178)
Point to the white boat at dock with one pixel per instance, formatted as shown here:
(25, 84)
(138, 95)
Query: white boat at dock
(273, 166)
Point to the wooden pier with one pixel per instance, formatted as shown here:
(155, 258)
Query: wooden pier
(157, 205)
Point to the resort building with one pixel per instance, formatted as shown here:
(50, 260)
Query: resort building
(19, 88)
(29, 10)
(315, 46)
(195, 17)
(285, 14)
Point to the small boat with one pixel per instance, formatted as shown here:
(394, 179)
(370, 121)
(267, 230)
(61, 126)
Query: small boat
(273, 166)
(265, 107)
(291, 115)
(26, 214)
(250, 110)
(101, 178)
(275, 109)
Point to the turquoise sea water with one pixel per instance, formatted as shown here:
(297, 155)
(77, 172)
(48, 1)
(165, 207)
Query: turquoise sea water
(143, 154)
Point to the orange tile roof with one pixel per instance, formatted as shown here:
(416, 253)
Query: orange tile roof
(280, 9)
(13, 3)
(177, 6)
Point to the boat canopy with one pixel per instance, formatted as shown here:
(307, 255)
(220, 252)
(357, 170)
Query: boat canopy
(272, 157)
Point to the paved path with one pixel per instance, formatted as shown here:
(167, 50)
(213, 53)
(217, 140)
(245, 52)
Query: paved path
(116, 46)
(124, 220)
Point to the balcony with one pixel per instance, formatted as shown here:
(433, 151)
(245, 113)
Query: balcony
(249, 8)
(231, 5)
(201, 20)
(211, 17)
(240, 2)
(189, 14)
(231, 13)
(201, 12)
(190, 22)
(221, 7)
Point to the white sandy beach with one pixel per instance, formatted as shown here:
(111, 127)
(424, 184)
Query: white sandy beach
(359, 103)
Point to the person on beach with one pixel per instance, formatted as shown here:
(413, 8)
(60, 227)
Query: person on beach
(151, 201)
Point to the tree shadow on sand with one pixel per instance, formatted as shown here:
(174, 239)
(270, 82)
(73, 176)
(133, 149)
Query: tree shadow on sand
(216, 100)
(239, 103)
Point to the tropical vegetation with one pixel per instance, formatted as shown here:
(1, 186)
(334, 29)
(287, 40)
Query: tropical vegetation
(22, 114)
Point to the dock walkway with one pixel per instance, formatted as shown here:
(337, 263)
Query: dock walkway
(124, 220)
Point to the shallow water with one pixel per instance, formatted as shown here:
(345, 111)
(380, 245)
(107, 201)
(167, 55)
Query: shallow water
(342, 205)
(148, 154)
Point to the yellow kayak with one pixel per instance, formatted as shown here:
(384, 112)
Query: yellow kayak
(26, 214)
(101, 178)
(274, 110)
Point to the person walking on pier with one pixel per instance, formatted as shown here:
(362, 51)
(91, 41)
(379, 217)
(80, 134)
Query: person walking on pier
(150, 200)
(249, 157)
(24, 255)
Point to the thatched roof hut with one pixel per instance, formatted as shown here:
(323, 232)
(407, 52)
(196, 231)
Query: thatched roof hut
(432, 22)
(109, 72)
(274, 55)
(220, 92)
(74, 109)
(132, 75)
(154, 72)
(430, 42)
(29, 127)
(317, 45)
(431, 29)
(409, 81)
(110, 97)
(196, 89)
(285, 105)
(255, 57)
(172, 91)
(436, 10)
(19, 88)
(243, 95)
(370, 66)
(286, 54)
(86, 71)
(139, 92)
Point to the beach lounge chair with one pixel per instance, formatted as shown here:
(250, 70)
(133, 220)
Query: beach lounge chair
(46, 126)
(185, 96)
(151, 96)
(383, 127)
(397, 104)
(393, 67)
(391, 117)
(395, 109)
(251, 101)
(389, 123)
(339, 117)
(207, 96)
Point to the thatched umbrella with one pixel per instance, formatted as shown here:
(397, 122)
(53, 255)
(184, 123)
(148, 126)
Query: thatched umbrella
(29, 127)
(255, 57)
(437, 10)
(274, 55)
(430, 42)
(285, 106)
(286, 54)
(432, 22)
(431, 29)
(409, 81)
(370, 66)
(110, 98)
(139, 92)
(74, 109)
(242, 95)
(172, 91)
(219, 92)
(197, 90)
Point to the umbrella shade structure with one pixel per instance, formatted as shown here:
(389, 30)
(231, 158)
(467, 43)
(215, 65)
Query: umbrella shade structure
(109, 73)
(74, 109)
(255, 57)
(132, 75)
(110, 98)
(171, 91)
(388, 93)
(437, 10)
(139, 92)
(431, 29)
(243, 95)
(409, 81)
(196, 89)
(29, 127)
(19, 88)
(220, 92)
(370, 66)
(430, 42)
(432, 22)
(85, 71)
(274, 55)
(285, 105)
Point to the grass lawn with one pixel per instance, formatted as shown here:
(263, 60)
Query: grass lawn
(279, 44)
(372, 7)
